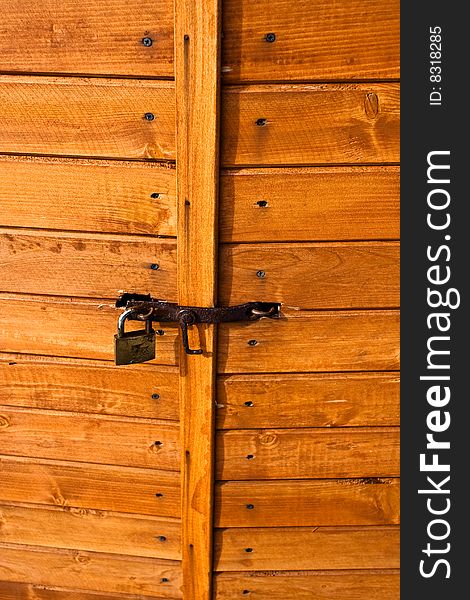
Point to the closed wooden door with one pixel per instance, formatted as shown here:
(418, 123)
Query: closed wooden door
(208, 153)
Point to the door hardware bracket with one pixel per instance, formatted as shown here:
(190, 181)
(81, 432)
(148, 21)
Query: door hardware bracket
(146, 308)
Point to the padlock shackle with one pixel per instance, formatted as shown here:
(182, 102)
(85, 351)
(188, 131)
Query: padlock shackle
(126, 314)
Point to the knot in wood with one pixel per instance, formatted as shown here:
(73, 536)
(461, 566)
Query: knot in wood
(4, 422)
(269, 439)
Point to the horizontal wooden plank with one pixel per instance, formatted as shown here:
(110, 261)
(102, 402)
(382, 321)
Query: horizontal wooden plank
(304, 585)
(314, 40)
(80, 264)
(319, 203)
(77, 569)
(309, 341)
(89, 438)
(88, 195)
(308, 400)
(57, 483)
(311, 276)
(343, 275)
(307, 453)
(311, 124)
(88, 117)
(371, 501)
(71, 328)
(306, 548)
(85, 37)
(92, 530)
(89, 386)
(27, 591)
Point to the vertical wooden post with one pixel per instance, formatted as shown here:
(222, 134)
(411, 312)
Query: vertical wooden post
(197, 51)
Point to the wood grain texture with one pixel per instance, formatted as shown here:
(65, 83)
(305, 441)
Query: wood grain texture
(308, 453)
(371, 501)
(312, 276)
(92, 530)
(77, 569)
(308, 400)
(314, 40)
(27, 591)
(310, 341)
(197, 73)
(88, 37)
(89, 386)
(301, 548)
(88, 195)
(311, 124)
(89, 438)
(75, 327)
(84, 485)
(304, 204)
(88, 117)
(80, 264)
(305, 585)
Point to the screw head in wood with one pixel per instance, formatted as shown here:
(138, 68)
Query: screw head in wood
(154, 266)
(262, 203)
(261, 122)
(261, 274)
(149, 116)
(146, 41)
(162, 538)
(250, 506)
(248, 549)
(160, 332)
(252, 342)
(270, 37)
(248, 403)
(155, 396)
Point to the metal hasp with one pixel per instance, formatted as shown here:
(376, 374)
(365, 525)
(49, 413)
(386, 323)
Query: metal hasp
(144, 308)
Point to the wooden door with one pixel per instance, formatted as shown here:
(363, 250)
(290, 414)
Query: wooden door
(204, 153)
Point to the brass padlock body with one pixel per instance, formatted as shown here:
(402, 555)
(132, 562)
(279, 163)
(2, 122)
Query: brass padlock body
(133, 347)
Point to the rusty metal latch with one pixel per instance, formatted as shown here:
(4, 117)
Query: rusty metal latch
(142, 307)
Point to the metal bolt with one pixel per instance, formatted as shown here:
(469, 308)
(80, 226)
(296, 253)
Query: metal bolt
(160, 332)
(155, 195)
(250, 456)
(261, 274)
(155, 396)
(146, 41)
(252, 342)
(250, 506)
(248, 403)
(261, 122)
(270, 37)
(154, 266)
(149, 116)
(162, 538)
(248, 549)
(262, 203)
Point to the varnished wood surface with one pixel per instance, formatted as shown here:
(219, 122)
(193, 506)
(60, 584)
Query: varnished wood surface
(106, 118)
(308, 400)
(85, 485)
(339, 40)
(312, 548)
(27, 591)
(89, 438)
(91, 530)
(315, 40)
(89, 386)
(312, 276)
(98, 265)
(305, 585)
(87, 117)
(78, 569)
(312, 341)
(197, 73)
(311, 124)
(88, 195)
(88, 37)
(367, 501)
(307, 453)
(304, 204)
(75, 327)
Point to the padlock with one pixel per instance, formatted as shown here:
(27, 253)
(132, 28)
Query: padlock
(134, 346)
